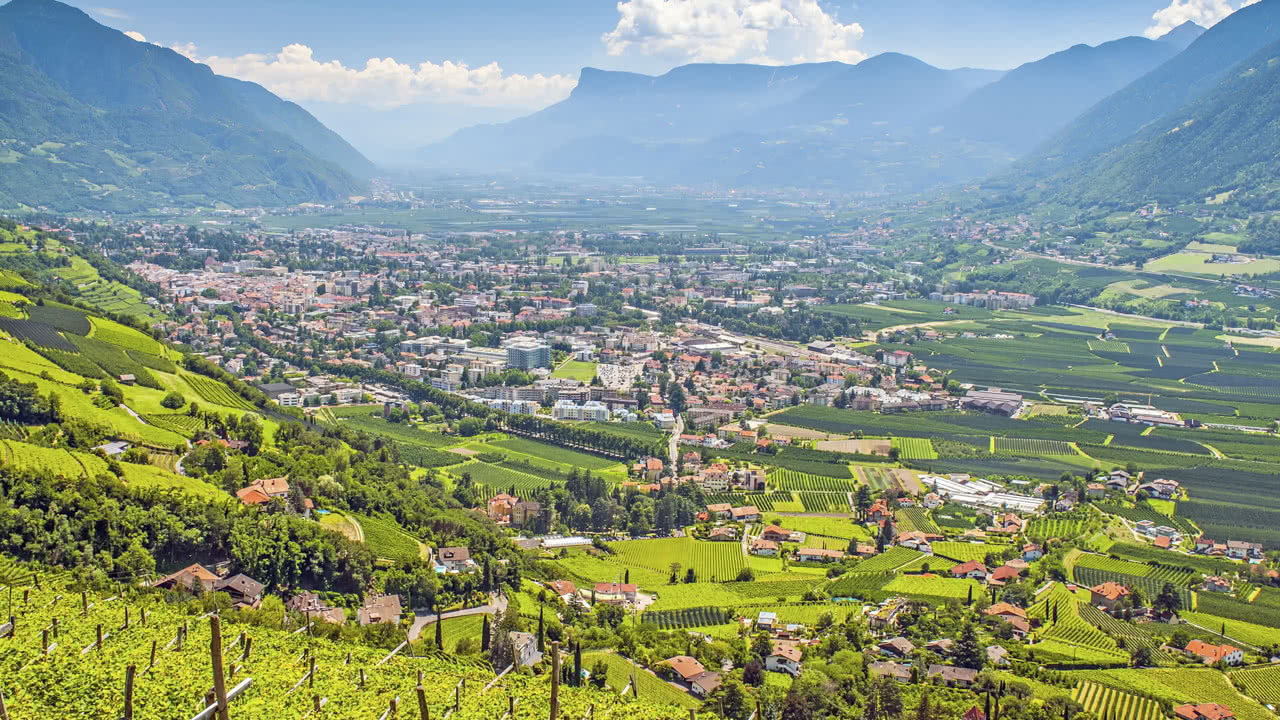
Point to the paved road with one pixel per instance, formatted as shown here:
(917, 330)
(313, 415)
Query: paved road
(497, 603)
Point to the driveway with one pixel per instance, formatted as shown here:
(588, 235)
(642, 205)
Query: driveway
(497, 603)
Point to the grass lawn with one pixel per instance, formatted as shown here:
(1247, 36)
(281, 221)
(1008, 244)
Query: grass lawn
(341, 523)
(576, 370)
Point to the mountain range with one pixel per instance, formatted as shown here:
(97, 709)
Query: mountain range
(91, 118)
(889, 123)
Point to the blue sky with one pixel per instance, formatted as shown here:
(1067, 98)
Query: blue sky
(399, 70)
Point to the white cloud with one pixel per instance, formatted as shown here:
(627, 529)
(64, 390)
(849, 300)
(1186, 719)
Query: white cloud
(294, 73)
(761, 31)
(1205, 13)
(107, 12)
(136, 35)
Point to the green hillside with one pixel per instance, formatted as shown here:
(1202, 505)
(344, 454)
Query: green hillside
(1226, 140)
(93, 119)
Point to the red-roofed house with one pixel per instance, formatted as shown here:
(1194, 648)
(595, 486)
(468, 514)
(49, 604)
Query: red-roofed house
(1203, 711)
(1212, 654)
(1108, 594)
(973, 570)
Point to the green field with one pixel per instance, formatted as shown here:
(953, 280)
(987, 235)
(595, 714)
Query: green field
(583, 372)
(556, 454)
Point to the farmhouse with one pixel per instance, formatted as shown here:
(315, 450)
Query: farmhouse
(1217, 583)
(784, 657)
(897, 671)
(1005, 611)
(819, 555)
(379, 609)
(1108, 594)
(974, 713)
(973, 570)
(767, 548)
(1212, 654)
(953, 676)
(766, 620)
(720, 511)
(776, 534)
(615, 593)
(563, 589)
(685, 667)
(1002, 575)
(705, 684)
(897, 647)
(941, 647)
(188, 577)
(1032, 552)
(745, 514)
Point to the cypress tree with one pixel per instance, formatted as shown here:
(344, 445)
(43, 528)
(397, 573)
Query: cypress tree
(439, 628)
(484, 635)
(542, 643)
(577, 664)
(970, 600)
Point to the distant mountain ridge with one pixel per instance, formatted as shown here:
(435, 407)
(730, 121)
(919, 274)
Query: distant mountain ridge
(92, 118)
(1183, 35)
(890, 123)
(1034, 100)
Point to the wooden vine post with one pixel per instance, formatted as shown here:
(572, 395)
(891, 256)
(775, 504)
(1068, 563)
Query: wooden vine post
(128, 691)
(215, 655)
(423, 713)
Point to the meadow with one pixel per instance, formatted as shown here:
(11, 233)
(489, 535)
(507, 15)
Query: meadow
(583, 372)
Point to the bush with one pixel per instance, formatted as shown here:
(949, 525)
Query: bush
(173, 400)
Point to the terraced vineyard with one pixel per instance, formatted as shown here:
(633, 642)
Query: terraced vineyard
(915, 448)
(1149, 586)
(1145, 512)
(1156, 573)
(1107, 702)
(962, 552)
(52, 461)
(181, 423)
(387, 539)
(1061, 525)
(501, 478)
(1261, 683)
(215, 392)
(1070, 629)
(688, 617)
(783, 479)
(1030, 447)
(916, 520)
(74, 682)
(1133, 636)
(710, 561)
(124, 336)
(890, 559)
(824, 502)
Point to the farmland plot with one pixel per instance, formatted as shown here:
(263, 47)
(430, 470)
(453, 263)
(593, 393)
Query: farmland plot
(1107, 702)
